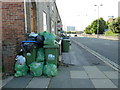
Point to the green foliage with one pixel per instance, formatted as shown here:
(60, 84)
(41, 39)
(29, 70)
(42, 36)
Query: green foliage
(68, 32)
(115, 25)
(73, 32)
(109, 33)
(87, 30)
(98, 24)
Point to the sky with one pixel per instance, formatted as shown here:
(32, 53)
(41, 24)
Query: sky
(80, 13)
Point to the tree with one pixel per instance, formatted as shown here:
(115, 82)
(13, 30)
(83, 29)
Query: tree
(115, 25)
(102, 25)
(87, 30)
(99, 24)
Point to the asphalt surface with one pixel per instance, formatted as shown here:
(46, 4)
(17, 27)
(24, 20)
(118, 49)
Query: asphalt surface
(80, 57)
(107, 48)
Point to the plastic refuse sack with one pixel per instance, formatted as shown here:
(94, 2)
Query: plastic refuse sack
(42, 33)
(40, 38)
(21, 70)
(32, 34)
(36, 68)
(20, 59)
(49, 38)
(50, 70)
(40, 55)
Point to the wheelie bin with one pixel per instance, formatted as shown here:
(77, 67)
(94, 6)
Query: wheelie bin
(29, 51)
(51, 54)
(65, 45)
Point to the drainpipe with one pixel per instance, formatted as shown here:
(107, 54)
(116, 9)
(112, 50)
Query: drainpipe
(25, 16)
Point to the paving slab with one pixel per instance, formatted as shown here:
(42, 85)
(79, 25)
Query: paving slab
(103, 83)
(20, 82)
(63, 68)
(60, 83)
(39, 82)
(79, 74)
(94, 72)
(77, 68)
(82, 83)
(111, 74)
(63, 74)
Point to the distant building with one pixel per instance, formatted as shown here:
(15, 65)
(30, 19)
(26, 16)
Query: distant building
(70, 28)
(79, 32)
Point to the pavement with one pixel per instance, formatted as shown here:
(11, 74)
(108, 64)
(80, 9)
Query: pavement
(81, 70)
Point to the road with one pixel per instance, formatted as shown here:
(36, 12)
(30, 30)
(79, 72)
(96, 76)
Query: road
(107, 48)
(80, 57)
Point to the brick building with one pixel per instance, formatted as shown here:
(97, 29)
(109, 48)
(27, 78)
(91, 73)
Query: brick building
(20, 18)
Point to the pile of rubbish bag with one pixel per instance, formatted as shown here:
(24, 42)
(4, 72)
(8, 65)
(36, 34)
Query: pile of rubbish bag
(20, 66)
(36, 69)
(49, 38)
(40, 55)
(50, 70)
(38, 66)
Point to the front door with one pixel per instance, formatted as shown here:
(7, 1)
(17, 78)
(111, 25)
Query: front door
(32, 20)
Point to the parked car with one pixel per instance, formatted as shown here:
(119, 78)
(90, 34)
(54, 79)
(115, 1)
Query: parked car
(75, 35)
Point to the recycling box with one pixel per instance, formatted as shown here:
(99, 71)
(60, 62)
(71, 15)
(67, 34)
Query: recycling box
(51, 54)
(65, 45)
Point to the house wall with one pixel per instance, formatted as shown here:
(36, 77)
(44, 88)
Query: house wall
(52, 15)
(42, 7)
(15, 27)
(12, 33)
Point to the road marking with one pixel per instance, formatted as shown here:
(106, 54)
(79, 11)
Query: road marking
(104, 59)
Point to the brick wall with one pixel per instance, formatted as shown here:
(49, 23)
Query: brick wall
(13, 31)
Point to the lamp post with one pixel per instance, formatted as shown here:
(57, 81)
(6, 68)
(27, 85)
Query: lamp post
(98, 20)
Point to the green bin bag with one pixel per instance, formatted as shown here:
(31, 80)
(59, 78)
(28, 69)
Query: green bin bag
(42, 33)
(36, 68)
(40, 55)
(21, 70)
(49, 37)
(50, 70)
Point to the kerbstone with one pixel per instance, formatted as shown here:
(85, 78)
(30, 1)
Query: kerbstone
(111, 74)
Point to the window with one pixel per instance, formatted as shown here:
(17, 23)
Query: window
(44, 21)
(52, 27)
(52, 8)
